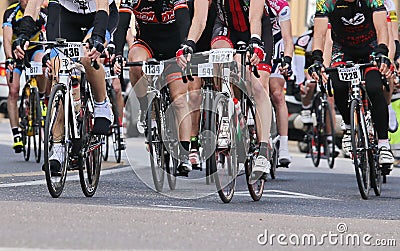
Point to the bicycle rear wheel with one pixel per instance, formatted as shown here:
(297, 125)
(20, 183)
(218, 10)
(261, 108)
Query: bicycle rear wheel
(171, 146)
(36, 116)
(360, 149)
(90, 156)
(116, 133)
(315, 132)
(54, 133)
(256, 188)
(225, 166)
(376, 172)
(105, 147)
(155, 143)
(329, 153)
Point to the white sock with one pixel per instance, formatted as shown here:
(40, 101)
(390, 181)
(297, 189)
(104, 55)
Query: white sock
(329, 138)
(383, 142)
(283, 142)
(392, 118)
(306, 107)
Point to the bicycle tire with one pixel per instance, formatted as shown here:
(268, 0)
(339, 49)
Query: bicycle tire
(376, 173)
(330, 155)
(171, 146)
(116, 133)
(23, 111)
(36, 124)
(90, 156)
(105, 147)
(359, 150)
(55, 184)
(225, 166)
(155, 143)
(315, 135)
(256, 189)
(274, 160)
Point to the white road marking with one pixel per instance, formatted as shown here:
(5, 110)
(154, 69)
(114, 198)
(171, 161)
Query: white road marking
(69, 178)
(178, 207)
(284, 194)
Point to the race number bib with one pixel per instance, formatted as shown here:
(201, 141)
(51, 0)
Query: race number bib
(349, 74)
(36, 69)
(205, 70)
(73, 50)
(107, 72)
(218, 56)
(153, 70)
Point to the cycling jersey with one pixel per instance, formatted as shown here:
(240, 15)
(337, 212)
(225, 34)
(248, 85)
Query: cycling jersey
(159, 27)
(302, 55)
(351, 22)
(279, 11)
(234, 13)
(81, 6)
(14, 14)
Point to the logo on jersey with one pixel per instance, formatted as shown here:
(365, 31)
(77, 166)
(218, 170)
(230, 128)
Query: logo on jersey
(358, 19)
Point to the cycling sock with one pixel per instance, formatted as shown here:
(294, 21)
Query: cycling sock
(264, 149)
(383, 142)
(184, 148)
(194, 143)
(284, 141)
(100, 103)
(329, 138)
(306, 107)
(15, 132)
(41, 95)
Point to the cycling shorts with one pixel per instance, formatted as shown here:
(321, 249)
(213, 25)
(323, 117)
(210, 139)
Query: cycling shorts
(343, 54)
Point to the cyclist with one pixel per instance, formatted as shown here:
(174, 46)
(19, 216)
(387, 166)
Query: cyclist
(239, 20)
(161, 26)
(359, 29)
(279, 12)
(73, 16)
(302, 60)
(11, 29)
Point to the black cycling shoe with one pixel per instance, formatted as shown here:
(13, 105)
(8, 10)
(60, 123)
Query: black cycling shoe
(55, 167)
(184, 167)
(101, 126)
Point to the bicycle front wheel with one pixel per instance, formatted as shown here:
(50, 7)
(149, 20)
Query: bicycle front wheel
(225, 167)
(36, 116)
(105, 147)
(255, 187)
(360, 149)
(315, 132)
(55, 135)
(329, 152)
(24, 114)
(116, 133)
(90, 157)
(155, 143)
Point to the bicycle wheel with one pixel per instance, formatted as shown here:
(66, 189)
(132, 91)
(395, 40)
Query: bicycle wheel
(54, 134)
(171, 146)
(116, 133)
(104, 148)
(24, 112)
(90, 156)
(36, 116)
(155, 143)
(329, 153)
(225, 166)
(360, 149)
(256, 188)
(315, 132)
(376, 172)
(274, 159)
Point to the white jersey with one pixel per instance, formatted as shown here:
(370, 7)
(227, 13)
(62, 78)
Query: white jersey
(81, 6)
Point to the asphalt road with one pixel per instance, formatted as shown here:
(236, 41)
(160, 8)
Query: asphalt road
(306, 206)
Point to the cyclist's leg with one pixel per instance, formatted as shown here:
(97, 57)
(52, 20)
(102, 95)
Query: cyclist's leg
(178, 92)
(41, 80)
(195, 99)
(13, 94)
(380, 114)
(139, 52)
(120, 100)
(276, 85)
